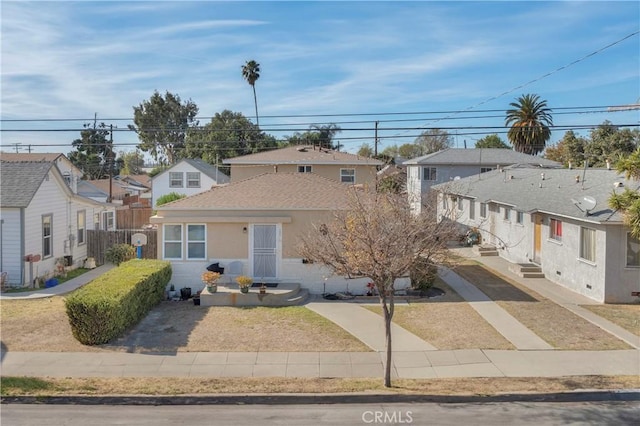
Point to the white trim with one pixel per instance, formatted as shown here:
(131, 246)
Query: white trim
(342, 176)
(187, 241)
(164, 240)
(278, 249)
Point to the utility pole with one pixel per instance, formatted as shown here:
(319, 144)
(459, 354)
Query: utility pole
(29, 148)
(110, 162)
(17, 146)
(375, 142)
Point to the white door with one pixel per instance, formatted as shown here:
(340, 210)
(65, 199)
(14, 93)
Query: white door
(265, 251)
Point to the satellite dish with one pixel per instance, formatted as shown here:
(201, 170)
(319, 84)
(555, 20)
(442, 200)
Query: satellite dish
(588, 202)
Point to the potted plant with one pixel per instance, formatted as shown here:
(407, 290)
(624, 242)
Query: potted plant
(210, 279)
(244, 283)
(370, 288)
(172, 291)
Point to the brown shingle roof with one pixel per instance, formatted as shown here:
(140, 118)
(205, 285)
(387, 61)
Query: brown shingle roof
(301, 154)
(36, 156)
(271, 191)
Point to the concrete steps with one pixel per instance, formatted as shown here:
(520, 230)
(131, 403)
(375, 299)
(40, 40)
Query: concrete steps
(526, 270)
(486, 250)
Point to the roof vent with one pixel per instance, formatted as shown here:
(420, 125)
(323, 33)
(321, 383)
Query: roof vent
(618, 184)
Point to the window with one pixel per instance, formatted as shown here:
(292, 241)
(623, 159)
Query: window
(486, 169)
(196, 246)
(348, 175)
(633, 251)
(47, 235)
(304, 169)
(429, 173)
(107, 221)
(193, 179)
(82, 226)
(472, 209)
(67, 178)
(172, 236)
(588, 244)
(507, 213)
(555, 229)
(483, 210)
(460, 201)
(520, 218)
(175, 180)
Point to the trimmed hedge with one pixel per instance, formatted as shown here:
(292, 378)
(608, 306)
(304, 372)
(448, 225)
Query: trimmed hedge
(115, 301)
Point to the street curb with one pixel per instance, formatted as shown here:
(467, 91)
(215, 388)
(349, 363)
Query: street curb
(289, 399)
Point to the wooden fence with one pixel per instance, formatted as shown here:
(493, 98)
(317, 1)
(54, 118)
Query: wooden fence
(99, 241)
(132, 218)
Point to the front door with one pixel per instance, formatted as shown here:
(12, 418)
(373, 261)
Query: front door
(537, 238)
(265, 251)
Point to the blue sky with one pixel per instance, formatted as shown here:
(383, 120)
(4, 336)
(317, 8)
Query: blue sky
(389, 60)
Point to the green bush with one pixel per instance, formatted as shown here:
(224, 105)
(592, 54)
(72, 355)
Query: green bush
(117, 300)
(120, 253)
(423, 274)
(167, 198)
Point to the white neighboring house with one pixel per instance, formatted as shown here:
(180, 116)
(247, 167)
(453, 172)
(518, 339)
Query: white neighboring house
(547, 217)
(42, 216)
(69, 171)
(449, 164)
(188, 177)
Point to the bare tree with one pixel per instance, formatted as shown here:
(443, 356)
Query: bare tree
(378, 237)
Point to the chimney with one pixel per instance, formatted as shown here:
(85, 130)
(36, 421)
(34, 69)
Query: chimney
(608, 165)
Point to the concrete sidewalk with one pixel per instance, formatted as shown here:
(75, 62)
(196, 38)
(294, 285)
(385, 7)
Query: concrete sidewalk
(368, 327)
(415, 364)
(60, 289)
(566, 298)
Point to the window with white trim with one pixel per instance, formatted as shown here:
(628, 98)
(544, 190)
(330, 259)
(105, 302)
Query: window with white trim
(47, 235)
(304, 169)
(196, 242)
(172, 241)
(633, 251)
(429, 173)
(472, 209)
(348, 175)
(483, 210)
(193, 179)
(507, 213)
(82, 227)
(588, 244)
(555, 229)
(107, 221)
(520, 218)
(175, 180)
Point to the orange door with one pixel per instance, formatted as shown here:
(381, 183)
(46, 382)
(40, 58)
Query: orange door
(537, 238)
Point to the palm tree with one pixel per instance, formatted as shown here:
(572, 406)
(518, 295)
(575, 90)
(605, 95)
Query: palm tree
(529, 120)
(251, 73)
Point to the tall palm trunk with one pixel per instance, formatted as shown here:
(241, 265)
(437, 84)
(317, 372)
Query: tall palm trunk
(255, 101)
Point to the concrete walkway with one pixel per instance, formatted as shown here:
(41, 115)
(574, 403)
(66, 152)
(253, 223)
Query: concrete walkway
(60, 289)
(566, 298)
(512, 329)
(368, 327)
(417, 364)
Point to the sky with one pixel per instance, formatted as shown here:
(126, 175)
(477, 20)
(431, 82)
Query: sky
(407, 65)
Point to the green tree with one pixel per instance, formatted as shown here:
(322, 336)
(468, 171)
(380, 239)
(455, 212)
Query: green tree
(570, 149)
(410, 150)
(365, 150)
(530, 122)
(93, 152)
(608, 142)
(167, 198)
(229, 134)
(492, 141)
(378, 237)
(320, 135)
(629, 200)
(132, 163)
(251, 73)
(433, 140)
(162, 124)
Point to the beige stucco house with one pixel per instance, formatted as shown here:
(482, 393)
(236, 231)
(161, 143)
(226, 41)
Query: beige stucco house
(257, 222)
(339, 166)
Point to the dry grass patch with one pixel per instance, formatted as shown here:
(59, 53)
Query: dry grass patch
(447, 322)
(21, 386)
(41, 325)
(559, 327)
(626, 316)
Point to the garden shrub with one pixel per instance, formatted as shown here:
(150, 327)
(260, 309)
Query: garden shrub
(423, 274)
(120, 253)
(117, 300)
